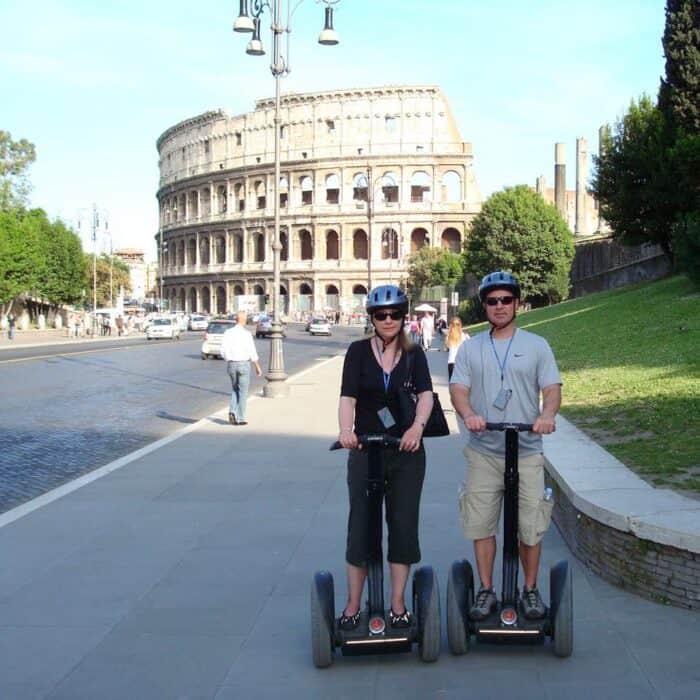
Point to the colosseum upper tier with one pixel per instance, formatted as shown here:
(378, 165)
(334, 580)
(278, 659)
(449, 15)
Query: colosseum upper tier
(368, 176)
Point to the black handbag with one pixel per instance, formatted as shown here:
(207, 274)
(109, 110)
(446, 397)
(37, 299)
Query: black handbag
(436, 425)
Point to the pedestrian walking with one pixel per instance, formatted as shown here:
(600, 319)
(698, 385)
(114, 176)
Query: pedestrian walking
(11, 322)
(453, 340)
(427, 327)
(499, 376)
(238, 349)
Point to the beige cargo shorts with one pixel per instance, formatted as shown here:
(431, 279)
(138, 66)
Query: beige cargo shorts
(481, 496)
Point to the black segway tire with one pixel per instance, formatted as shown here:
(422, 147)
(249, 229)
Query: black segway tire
(562, 608)
(426, 608)
(322, 619)
(460, 598)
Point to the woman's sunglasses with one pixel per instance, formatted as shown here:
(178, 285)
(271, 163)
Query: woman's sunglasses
(493, 301)
(383, 315)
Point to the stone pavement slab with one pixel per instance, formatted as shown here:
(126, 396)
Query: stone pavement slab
(185, 573)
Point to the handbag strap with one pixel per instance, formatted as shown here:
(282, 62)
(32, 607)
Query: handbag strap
(408, 381)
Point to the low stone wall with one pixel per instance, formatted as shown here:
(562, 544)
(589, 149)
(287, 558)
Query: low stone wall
(660, 572)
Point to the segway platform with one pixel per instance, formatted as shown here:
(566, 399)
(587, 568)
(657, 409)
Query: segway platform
(507, 623)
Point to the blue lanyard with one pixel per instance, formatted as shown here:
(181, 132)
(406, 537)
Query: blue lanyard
(501, 365)
(386, 375)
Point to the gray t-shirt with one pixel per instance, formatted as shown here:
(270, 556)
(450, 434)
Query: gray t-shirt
(529, 367)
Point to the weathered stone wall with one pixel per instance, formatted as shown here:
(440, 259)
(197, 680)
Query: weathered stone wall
(662, 573)
(606, 264)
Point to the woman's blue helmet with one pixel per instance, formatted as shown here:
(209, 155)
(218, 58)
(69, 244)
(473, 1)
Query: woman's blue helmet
(386, 296)
(499, 280)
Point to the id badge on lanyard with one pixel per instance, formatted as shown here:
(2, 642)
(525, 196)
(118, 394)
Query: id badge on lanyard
(384, 414)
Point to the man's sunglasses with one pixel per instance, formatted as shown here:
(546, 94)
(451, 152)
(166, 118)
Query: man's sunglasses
(493, 301)
(383, 315)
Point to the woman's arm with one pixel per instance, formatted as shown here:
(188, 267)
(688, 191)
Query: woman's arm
(346, 419)
(410, 440)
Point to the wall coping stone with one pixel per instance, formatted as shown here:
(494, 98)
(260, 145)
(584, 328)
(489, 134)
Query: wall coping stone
(603, 488)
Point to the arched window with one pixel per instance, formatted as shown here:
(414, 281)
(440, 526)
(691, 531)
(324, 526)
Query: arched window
(451, 240)
(359, 244)
(221, 199)
(284, 240)
(390, 187)
(419, 238)
(359, 187)
(307, 190)
(332, 189)
(451, 187)
(238, 249)
(332, 297)
(258, 290)
(193, 300)
(332, 245)
(259, 243)
(305, 245)
(220, 249)
(239, 195)
(206, 300)
(220, 300)
(192, 251)
(238, 290)
(390, 244)
(261, 199)
(204, 250)
(420, 186)
(284, 191)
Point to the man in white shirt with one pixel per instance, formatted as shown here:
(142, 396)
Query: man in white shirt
(238, 349)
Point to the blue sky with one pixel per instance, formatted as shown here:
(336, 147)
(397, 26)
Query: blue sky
(93, 84)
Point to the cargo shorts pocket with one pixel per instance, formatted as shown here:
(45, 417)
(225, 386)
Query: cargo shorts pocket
(462, 500)
(543, 517)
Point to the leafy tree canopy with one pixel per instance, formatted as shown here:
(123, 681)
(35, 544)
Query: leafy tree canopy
(429, 267)
(112, 273)
(518, 231)
(15, 159)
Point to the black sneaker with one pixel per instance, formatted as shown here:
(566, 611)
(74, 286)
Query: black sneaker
(484, 604)
(348, 622)
(531, 604)
(400, 621)
(232, 419)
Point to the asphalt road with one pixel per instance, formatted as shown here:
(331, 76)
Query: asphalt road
(70, 408)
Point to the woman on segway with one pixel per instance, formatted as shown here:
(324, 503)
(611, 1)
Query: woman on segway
(374, 370)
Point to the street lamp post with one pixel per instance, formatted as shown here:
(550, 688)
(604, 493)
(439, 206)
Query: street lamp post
(279, 67)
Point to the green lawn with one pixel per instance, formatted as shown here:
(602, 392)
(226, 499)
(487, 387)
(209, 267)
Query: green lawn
(630, 361)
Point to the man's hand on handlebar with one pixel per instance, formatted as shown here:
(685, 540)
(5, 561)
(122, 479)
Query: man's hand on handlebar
(544, 425)
(475, 423)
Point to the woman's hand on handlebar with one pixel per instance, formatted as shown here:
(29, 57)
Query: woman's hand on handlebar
(410, 440)
(348, 439)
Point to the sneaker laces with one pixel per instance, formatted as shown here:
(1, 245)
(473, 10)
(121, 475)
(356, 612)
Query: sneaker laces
(532, 597)
(482, 595)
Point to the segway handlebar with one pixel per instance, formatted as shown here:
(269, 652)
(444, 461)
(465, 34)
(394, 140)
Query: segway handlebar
(372, 439)
(519, 427)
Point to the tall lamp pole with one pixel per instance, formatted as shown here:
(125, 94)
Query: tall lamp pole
(279, 67)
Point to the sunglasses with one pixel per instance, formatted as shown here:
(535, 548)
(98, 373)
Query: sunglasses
(383, 315)
(493, 301)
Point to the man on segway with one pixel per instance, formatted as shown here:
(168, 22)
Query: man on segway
(499, 376)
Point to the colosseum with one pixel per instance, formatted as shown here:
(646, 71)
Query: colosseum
(368, 176)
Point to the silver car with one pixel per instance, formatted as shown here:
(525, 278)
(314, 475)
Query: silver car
(211, 347)
(163, 328)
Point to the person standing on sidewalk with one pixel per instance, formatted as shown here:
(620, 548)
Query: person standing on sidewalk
(11, 322)
(373, 373)
(238, 349)
(499, 376)
(453, 340)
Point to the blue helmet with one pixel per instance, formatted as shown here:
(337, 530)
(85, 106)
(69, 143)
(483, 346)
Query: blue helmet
(499, 280)
(386, 296)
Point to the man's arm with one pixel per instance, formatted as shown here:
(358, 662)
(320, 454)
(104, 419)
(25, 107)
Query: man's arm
(551, 401)
(459, 395)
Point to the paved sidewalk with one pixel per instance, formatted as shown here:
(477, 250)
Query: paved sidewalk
(52, 336)
(185, 573)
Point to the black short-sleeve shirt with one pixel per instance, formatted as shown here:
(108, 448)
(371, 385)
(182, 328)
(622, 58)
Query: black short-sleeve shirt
(363, 380)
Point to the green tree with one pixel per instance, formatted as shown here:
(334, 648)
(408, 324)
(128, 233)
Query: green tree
(19, 256)
(108, 268)
(679, 95)
(518, 231)
(633, 179)
(15, 159)
(429, 267)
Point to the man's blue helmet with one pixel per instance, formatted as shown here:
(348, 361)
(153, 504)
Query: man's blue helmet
(386, 296)
(499, 280)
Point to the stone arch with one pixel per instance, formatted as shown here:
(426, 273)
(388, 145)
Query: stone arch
(204, 250)
(359, 187)
(260, 194)
(205, 295)
(332, 189)
(451, 240)
(220, 249)
(307, 189)
(258, 290)
(237, 244)
(419, 239)
(221, 300)
(390, 244)
(238, 290)
(258, 247)
(359, 244)
(181, 296)
(451, 187)
(306, 251)
(284, 241)
(332, 245)
(420, 186)
(191, 252)
(193, 300)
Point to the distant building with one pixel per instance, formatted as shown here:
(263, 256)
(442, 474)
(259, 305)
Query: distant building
(138, 278)
(368, 176)
(590, 217)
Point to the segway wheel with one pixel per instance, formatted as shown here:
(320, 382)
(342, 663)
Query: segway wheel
(460, 598)
(426, 608)
(562, 608)
(322, 619)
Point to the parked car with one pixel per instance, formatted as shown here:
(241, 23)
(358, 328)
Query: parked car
(211, 346)
(163, 328)
(198, 323)
(319, 326)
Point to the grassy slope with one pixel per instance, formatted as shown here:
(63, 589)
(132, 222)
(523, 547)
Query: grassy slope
(630, 361)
